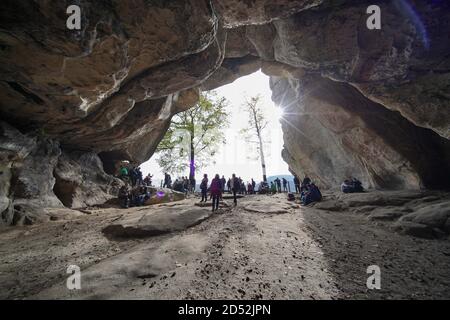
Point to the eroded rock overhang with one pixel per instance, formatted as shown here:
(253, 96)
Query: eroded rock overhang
(370, 103)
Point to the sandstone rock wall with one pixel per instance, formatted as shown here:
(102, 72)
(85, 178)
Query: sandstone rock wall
(332, 131)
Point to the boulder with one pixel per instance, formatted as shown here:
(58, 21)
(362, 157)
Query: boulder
(435, 216)
(366, 103)
(163, 195)
(81, 181)
(153, 221)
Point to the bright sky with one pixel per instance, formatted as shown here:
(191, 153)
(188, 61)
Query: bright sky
(232, 157)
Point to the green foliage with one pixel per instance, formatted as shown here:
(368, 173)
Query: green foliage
(199, 129)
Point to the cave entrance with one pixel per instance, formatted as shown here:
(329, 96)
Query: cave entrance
(238, 155)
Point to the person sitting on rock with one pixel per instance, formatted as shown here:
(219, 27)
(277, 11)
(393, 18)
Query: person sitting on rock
(204, 188)
(352, 185)
(186, 186)
(263, 188)
(216, 192)
(124, 196)
(138, 197)
(357, 185)
(310, 194)
(316, 195)
(346, 186)
(305, 183)
(178, 186)
(145, 191)
(243, 188)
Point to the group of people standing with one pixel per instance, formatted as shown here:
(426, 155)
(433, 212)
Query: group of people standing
(140, 191)
(218, 186)
(275, 186)
(136, 189)
(132, 175)
(239, 185)
(183, 184)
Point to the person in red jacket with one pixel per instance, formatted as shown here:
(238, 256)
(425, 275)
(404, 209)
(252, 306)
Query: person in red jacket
(216, 192)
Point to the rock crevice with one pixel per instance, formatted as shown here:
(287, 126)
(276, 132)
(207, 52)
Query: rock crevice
(369, 103)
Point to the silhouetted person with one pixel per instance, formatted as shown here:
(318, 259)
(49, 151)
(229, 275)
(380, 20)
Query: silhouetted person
(273, 188)
(284, 185)
(133, 176)
(192, 183)
(352, 185)
(216, 191)
(223, 183)
(297, 184)
(204, 188)
(235, 185)
(240, 185)
(167, 181)
(311, 194)
(253, 186)
(124, 174)
(305, 183)
(148, 180)
(243, 188)
(278, 183)
(124, 196)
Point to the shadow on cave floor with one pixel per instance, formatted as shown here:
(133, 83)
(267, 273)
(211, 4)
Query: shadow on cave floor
(266, 248)
(411, 268)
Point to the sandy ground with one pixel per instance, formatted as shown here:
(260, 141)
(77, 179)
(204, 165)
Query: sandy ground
(291, 252)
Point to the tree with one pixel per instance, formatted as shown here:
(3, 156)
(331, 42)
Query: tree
(194, 135)
(257, 124)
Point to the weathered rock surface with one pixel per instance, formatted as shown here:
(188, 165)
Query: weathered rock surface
(415, 213)
(153, 221)
(81, 181)
(267, 207)
(367, 103)
(331, 132)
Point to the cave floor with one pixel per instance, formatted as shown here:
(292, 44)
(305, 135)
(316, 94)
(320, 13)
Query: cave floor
(265, 248)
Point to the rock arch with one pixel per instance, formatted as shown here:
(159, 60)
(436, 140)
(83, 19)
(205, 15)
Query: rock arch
(369, 102)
